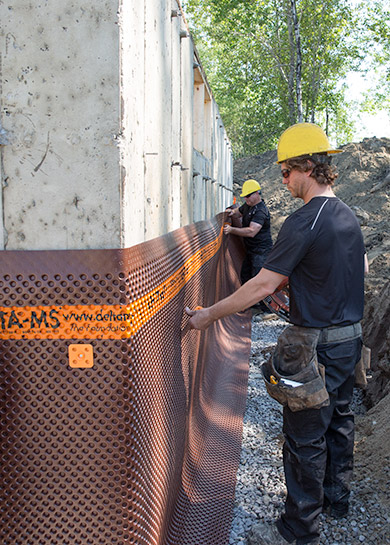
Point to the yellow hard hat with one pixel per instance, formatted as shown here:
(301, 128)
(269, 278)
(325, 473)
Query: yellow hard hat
(250, 186)
(303, 139)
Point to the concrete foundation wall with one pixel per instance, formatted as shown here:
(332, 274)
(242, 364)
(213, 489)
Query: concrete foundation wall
(106, 120)
(60, 109)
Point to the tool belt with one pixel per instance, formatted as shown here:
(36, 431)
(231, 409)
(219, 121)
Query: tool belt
(292, 375)
(334, 334)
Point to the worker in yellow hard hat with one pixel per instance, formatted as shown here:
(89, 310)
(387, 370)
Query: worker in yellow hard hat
(255, 230)
(320, 251)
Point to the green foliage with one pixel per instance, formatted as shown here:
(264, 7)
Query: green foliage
(249, 52)
(374, 29)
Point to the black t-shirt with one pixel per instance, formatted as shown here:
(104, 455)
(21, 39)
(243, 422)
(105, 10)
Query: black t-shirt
(320, 248)
(258, 214)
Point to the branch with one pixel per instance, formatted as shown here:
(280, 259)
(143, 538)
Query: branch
(385, 182)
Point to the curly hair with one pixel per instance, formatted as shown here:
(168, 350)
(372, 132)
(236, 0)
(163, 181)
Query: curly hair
(323, 172)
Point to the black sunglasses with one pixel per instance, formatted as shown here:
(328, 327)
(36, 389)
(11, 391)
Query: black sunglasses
(286, 172)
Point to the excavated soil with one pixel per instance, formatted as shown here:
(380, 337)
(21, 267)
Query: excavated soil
(364, 184)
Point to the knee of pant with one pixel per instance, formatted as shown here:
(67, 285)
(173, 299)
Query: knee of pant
(307, 451)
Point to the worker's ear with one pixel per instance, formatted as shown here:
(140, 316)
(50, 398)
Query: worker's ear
(310, 166)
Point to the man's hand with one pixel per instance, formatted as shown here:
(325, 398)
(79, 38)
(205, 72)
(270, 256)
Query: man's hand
(227, 228)
(200, 318)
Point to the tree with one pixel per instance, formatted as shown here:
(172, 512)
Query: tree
(272, 63)
(298, 52)
(374, 29)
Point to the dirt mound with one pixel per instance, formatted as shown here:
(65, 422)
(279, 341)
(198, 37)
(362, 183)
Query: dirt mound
(372, 451)
(377, 337)
(364, 184)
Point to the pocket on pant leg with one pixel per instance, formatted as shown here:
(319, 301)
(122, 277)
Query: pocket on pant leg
(339, 360)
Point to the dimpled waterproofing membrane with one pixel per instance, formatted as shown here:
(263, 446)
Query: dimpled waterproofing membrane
(141, 445)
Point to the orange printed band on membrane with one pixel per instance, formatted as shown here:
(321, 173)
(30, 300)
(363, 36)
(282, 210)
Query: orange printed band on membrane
(100, 321)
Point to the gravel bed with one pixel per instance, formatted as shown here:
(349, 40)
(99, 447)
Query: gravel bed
(260, 489)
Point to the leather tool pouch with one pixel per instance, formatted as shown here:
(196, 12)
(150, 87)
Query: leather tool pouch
(292, 375)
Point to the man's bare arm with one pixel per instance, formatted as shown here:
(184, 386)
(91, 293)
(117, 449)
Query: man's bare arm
(250, 231)
(258, 287)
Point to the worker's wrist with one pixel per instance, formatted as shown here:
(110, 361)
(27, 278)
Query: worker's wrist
(212, 314)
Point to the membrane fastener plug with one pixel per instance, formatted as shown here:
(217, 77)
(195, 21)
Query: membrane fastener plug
(80, 356)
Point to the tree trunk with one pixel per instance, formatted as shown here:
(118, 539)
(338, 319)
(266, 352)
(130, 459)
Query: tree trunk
(299, 61)
(291, 73)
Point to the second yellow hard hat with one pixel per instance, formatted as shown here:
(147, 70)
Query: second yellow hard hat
(248, 187)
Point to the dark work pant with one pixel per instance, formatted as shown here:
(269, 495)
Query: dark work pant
(251, 265)
(318, 448)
